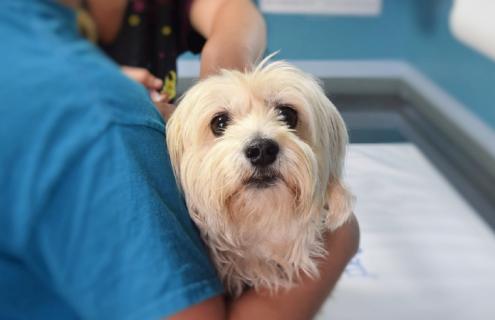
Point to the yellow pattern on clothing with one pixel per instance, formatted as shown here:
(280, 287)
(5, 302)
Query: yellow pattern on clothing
(169, 85)
(166, 30)
(134, 20)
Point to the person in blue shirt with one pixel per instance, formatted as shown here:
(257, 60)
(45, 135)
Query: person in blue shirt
(92, 225)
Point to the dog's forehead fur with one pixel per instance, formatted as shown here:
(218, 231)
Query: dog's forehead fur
(267, 84)
(257, 92)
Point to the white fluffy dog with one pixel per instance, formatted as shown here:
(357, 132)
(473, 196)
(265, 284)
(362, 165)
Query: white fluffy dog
(259, 157)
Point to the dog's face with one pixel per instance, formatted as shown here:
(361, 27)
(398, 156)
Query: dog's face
(258, 149)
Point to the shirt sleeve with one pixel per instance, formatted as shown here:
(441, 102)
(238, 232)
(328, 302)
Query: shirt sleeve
(115, 239)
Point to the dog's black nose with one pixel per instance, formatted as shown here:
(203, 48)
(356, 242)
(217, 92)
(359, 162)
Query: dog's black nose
(262, 152)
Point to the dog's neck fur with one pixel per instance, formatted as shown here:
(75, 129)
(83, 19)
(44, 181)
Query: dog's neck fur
(266, 243)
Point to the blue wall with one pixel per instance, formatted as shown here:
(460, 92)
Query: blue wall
(413, 30)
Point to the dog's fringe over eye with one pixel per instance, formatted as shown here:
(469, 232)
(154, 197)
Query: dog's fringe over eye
(219, 123)
(287, 114)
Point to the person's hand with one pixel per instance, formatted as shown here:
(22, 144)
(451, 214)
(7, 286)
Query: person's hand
(154, 85)
(148, 80)
(144, 77)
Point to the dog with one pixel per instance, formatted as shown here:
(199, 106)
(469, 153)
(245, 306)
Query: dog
(259, 157)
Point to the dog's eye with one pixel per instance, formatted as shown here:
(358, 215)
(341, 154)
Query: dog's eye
(288, 115)
(219, 123)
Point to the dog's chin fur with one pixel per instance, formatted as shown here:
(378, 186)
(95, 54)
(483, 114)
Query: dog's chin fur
(264, 227)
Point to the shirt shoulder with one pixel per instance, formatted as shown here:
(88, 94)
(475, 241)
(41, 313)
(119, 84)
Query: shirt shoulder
(67, 74)
(99, 86)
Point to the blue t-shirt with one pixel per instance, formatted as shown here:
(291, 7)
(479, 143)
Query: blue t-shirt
(91, 223)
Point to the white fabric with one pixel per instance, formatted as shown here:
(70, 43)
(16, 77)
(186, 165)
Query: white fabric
(425, 253)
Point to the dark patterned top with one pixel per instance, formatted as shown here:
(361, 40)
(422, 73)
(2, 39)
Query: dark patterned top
(153, 34)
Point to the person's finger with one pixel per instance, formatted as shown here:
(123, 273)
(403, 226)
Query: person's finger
(143, 76)
(137, 74)
(153, 82)
(158, 97)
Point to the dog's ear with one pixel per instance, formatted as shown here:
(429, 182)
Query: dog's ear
(339, 204)
(339, 201)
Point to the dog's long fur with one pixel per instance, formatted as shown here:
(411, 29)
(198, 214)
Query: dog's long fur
(261, 237)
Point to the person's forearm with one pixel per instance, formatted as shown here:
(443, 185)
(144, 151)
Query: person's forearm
(236, 34)
(304, 300)
(107, 16)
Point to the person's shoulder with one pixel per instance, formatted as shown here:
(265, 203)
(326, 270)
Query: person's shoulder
(48, 61)
(110, 94)
(73, 77)
(89, 82)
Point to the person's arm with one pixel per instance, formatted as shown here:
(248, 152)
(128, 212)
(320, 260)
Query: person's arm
(300, 302)
(235, 34)
(107, 16)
